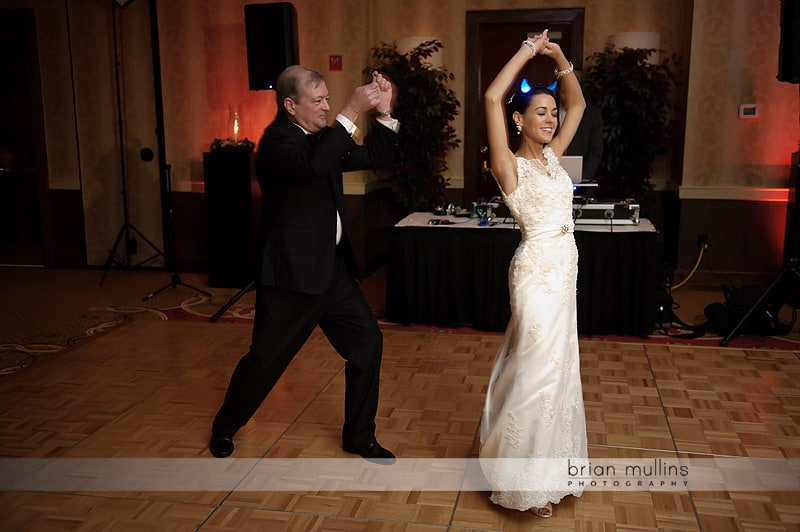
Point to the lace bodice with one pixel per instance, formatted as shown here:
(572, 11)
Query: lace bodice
(543, 197)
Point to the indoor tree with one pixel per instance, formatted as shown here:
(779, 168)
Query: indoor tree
(425, 107)
(634, 97)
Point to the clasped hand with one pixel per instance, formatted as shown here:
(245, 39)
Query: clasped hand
(543, 44)
(374, 95)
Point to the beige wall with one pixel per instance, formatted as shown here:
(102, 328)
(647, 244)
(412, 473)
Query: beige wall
(735, 60)
(213, 37)
(204, 65)
(732, 59)
(76, 60)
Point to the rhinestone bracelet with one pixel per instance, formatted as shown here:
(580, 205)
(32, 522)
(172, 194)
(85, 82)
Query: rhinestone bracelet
(530, 45)
(561, 73)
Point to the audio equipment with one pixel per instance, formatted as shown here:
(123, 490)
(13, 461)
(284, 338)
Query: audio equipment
(622, 212)
(271, 35)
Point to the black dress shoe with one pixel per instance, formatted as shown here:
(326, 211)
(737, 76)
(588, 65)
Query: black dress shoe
(373, 452)
(221, 446)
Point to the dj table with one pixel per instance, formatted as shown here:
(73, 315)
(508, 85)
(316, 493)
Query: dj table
(455, 274)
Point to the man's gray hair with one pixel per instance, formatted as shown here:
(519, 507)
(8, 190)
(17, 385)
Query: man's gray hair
(290, 83)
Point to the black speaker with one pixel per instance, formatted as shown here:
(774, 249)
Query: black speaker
(789, 51)
(271, 33)
(233, 210)
(791, 238)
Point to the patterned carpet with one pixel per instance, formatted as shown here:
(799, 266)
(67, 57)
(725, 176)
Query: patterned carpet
(46, 311)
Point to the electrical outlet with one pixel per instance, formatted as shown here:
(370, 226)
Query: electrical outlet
(702, 241)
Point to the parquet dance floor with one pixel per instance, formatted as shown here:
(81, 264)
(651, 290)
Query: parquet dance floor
(149, 389)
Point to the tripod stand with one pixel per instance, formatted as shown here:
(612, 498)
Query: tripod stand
(130, 242)
(127, 228)
(791, 267)
(169, 234)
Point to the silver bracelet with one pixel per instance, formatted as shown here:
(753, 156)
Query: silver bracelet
(561, 73)
(530, 45)
(388, 112)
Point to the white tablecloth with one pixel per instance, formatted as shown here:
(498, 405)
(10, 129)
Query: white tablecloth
(420, 219)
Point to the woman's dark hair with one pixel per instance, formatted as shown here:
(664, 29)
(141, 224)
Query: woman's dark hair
(520, 101)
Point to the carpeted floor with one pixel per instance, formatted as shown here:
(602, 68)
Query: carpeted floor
(47, 310)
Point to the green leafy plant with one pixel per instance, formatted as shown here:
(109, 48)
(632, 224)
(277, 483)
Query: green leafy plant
(634, 98)
(232, 145)
(425, 107)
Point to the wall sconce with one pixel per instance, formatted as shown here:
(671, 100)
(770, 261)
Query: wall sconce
(639, 39)
(407, 44)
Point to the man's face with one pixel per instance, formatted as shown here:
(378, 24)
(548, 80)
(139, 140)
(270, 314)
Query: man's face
(310, 111)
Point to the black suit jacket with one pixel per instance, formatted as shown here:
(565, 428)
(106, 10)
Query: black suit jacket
(301, 186)
(588, 141)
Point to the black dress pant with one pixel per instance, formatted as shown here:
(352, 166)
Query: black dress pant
(283, 322)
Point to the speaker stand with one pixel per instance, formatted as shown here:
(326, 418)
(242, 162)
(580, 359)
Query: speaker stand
(791, 267)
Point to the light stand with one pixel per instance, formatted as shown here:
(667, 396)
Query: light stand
(127, 229)
(167, 215)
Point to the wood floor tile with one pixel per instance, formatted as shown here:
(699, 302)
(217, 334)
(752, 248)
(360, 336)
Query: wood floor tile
(622, 402)
(238, 519)
(150, 389)
(748, 510)
(433, 508)
(57, 511)
(722, 401)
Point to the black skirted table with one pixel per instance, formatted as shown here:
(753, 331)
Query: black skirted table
(456, 275)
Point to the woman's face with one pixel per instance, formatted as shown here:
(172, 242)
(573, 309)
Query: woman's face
(540, 120)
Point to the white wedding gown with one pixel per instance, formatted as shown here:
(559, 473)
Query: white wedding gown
(534, 405)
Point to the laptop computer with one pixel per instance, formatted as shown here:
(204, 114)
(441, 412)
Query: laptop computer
(573, 164)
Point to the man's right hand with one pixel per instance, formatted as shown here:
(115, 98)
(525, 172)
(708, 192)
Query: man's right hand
(364, 98)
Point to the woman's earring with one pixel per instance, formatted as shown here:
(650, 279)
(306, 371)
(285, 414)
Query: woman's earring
(519, 128)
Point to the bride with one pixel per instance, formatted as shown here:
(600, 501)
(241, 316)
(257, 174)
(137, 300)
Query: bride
(533, 419)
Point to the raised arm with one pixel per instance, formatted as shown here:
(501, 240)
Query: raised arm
(573, 97)
(501, 158)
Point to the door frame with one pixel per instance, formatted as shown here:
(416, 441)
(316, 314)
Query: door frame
(538, 19)
(23, 24)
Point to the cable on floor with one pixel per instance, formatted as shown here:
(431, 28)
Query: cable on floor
(696, 265)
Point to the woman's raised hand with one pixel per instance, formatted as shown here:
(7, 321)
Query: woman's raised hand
(539, 41)
(550, 48)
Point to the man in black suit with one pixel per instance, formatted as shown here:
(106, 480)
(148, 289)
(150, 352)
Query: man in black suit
(307, 271)
(588, 139)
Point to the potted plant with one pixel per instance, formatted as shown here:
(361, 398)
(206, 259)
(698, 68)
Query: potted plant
(634, 97)
(425, 107)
